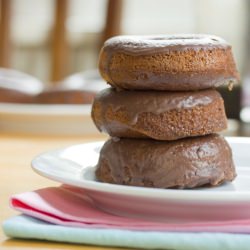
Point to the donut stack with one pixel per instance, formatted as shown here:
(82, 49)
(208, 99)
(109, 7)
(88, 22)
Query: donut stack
(162, 111)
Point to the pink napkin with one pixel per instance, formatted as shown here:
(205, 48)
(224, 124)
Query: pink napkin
(70, 206)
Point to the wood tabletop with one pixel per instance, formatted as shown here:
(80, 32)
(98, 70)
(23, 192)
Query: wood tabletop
(16, 176)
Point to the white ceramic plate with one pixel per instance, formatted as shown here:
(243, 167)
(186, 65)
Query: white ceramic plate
(74, 165)
(46, 119)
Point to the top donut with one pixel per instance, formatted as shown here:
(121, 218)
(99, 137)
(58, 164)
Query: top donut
(172, 63)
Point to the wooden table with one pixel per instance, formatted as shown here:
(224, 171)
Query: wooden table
(16, 176)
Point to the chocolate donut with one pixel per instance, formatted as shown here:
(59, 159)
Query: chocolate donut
(65, 96)
(185, 163)
(157, 114)
(173, 63)
(8, 95)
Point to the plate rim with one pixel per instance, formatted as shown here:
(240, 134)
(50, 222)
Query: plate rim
(197, 195)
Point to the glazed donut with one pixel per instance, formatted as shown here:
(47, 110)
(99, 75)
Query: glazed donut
(158, 114)
(8, 95)
(173, 63)
(185, 163)
(65, 96)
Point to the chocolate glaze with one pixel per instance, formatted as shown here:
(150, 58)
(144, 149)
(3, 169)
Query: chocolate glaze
(185, 163)
(141, 45)
(156, 102)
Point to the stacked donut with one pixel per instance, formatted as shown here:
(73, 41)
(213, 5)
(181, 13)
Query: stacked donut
(163, 112)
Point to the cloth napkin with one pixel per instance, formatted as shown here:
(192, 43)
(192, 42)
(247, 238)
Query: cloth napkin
(30, 228)
(66, 213)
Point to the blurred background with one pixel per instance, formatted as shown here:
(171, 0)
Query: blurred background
(58, 41)
(82, 25)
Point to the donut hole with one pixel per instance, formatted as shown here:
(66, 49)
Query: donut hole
(158, 38)
(174, 38)
(213, 39)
